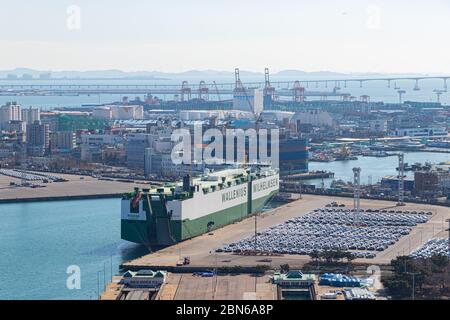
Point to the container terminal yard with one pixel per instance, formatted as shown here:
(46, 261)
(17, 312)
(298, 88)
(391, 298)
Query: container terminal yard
(185, 280)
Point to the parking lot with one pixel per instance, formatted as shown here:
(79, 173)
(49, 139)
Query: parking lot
(201, 250)
(437, 246)
(184, 286)
(364, 233)
(11, 186)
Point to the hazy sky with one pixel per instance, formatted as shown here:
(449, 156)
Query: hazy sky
(177, 35)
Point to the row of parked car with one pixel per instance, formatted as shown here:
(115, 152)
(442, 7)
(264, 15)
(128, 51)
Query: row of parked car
(362, 233)
(367, 217)
(434, 247)
(28, 176)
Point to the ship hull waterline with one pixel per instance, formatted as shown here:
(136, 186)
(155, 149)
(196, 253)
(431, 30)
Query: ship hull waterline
(144, 231)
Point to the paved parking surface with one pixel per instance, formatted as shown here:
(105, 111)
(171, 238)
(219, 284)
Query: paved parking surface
(223, 287)
(201, 249)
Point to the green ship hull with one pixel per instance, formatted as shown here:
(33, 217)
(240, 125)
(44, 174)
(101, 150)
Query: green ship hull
(158, 230)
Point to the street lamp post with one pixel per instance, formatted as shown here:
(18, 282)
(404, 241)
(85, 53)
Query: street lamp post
(98, 285)
(111, 265)
(448, 220)
(413, 274)
(104, 276)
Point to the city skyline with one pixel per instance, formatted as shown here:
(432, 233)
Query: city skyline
(366, 36)
(256, 151)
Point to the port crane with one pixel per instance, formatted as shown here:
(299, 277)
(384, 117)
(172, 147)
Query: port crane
(401, 177)
(217, 91)
(268, 89)
(240, 88)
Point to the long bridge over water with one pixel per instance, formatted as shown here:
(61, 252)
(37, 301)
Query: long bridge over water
(186, 91)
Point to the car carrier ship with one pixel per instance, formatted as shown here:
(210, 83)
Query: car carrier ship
(164, 216)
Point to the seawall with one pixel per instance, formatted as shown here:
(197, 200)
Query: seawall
(62, 198)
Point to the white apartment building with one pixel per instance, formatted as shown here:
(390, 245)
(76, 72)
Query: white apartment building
(9, 112)
(31, 114)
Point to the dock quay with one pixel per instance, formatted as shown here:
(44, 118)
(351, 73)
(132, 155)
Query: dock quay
(201, 250)
(290, 285)
(76, 187)
(309, 175)
(62, 198)
(186, 286)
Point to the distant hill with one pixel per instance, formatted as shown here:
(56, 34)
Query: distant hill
(157, 75)
(293, 73)
(95, 74)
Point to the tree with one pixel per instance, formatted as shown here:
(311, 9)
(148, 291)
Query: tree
(440, 272)
(431, 276)
(349, 256)
(314, 255)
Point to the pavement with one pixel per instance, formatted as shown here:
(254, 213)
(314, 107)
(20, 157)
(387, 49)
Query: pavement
(75, 186)
(183, 286)
(201, 250)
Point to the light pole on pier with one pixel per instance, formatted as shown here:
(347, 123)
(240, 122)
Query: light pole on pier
(401, 176)
(104, 276)
(413, 274)
(448, 220)
(356, 194)
(98, 284)
(111, 265)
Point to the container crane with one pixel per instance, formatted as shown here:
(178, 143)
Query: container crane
(239, 87)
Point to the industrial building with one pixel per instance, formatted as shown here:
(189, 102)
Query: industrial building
(429, 183)
(127, 112)
(250, 100)
(421, 132)
(314, 117)
(188, 115)
(294, 156)
(102, 113)
(392, 182)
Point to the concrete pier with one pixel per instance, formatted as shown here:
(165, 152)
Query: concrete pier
(75, 188)
(201, 250)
